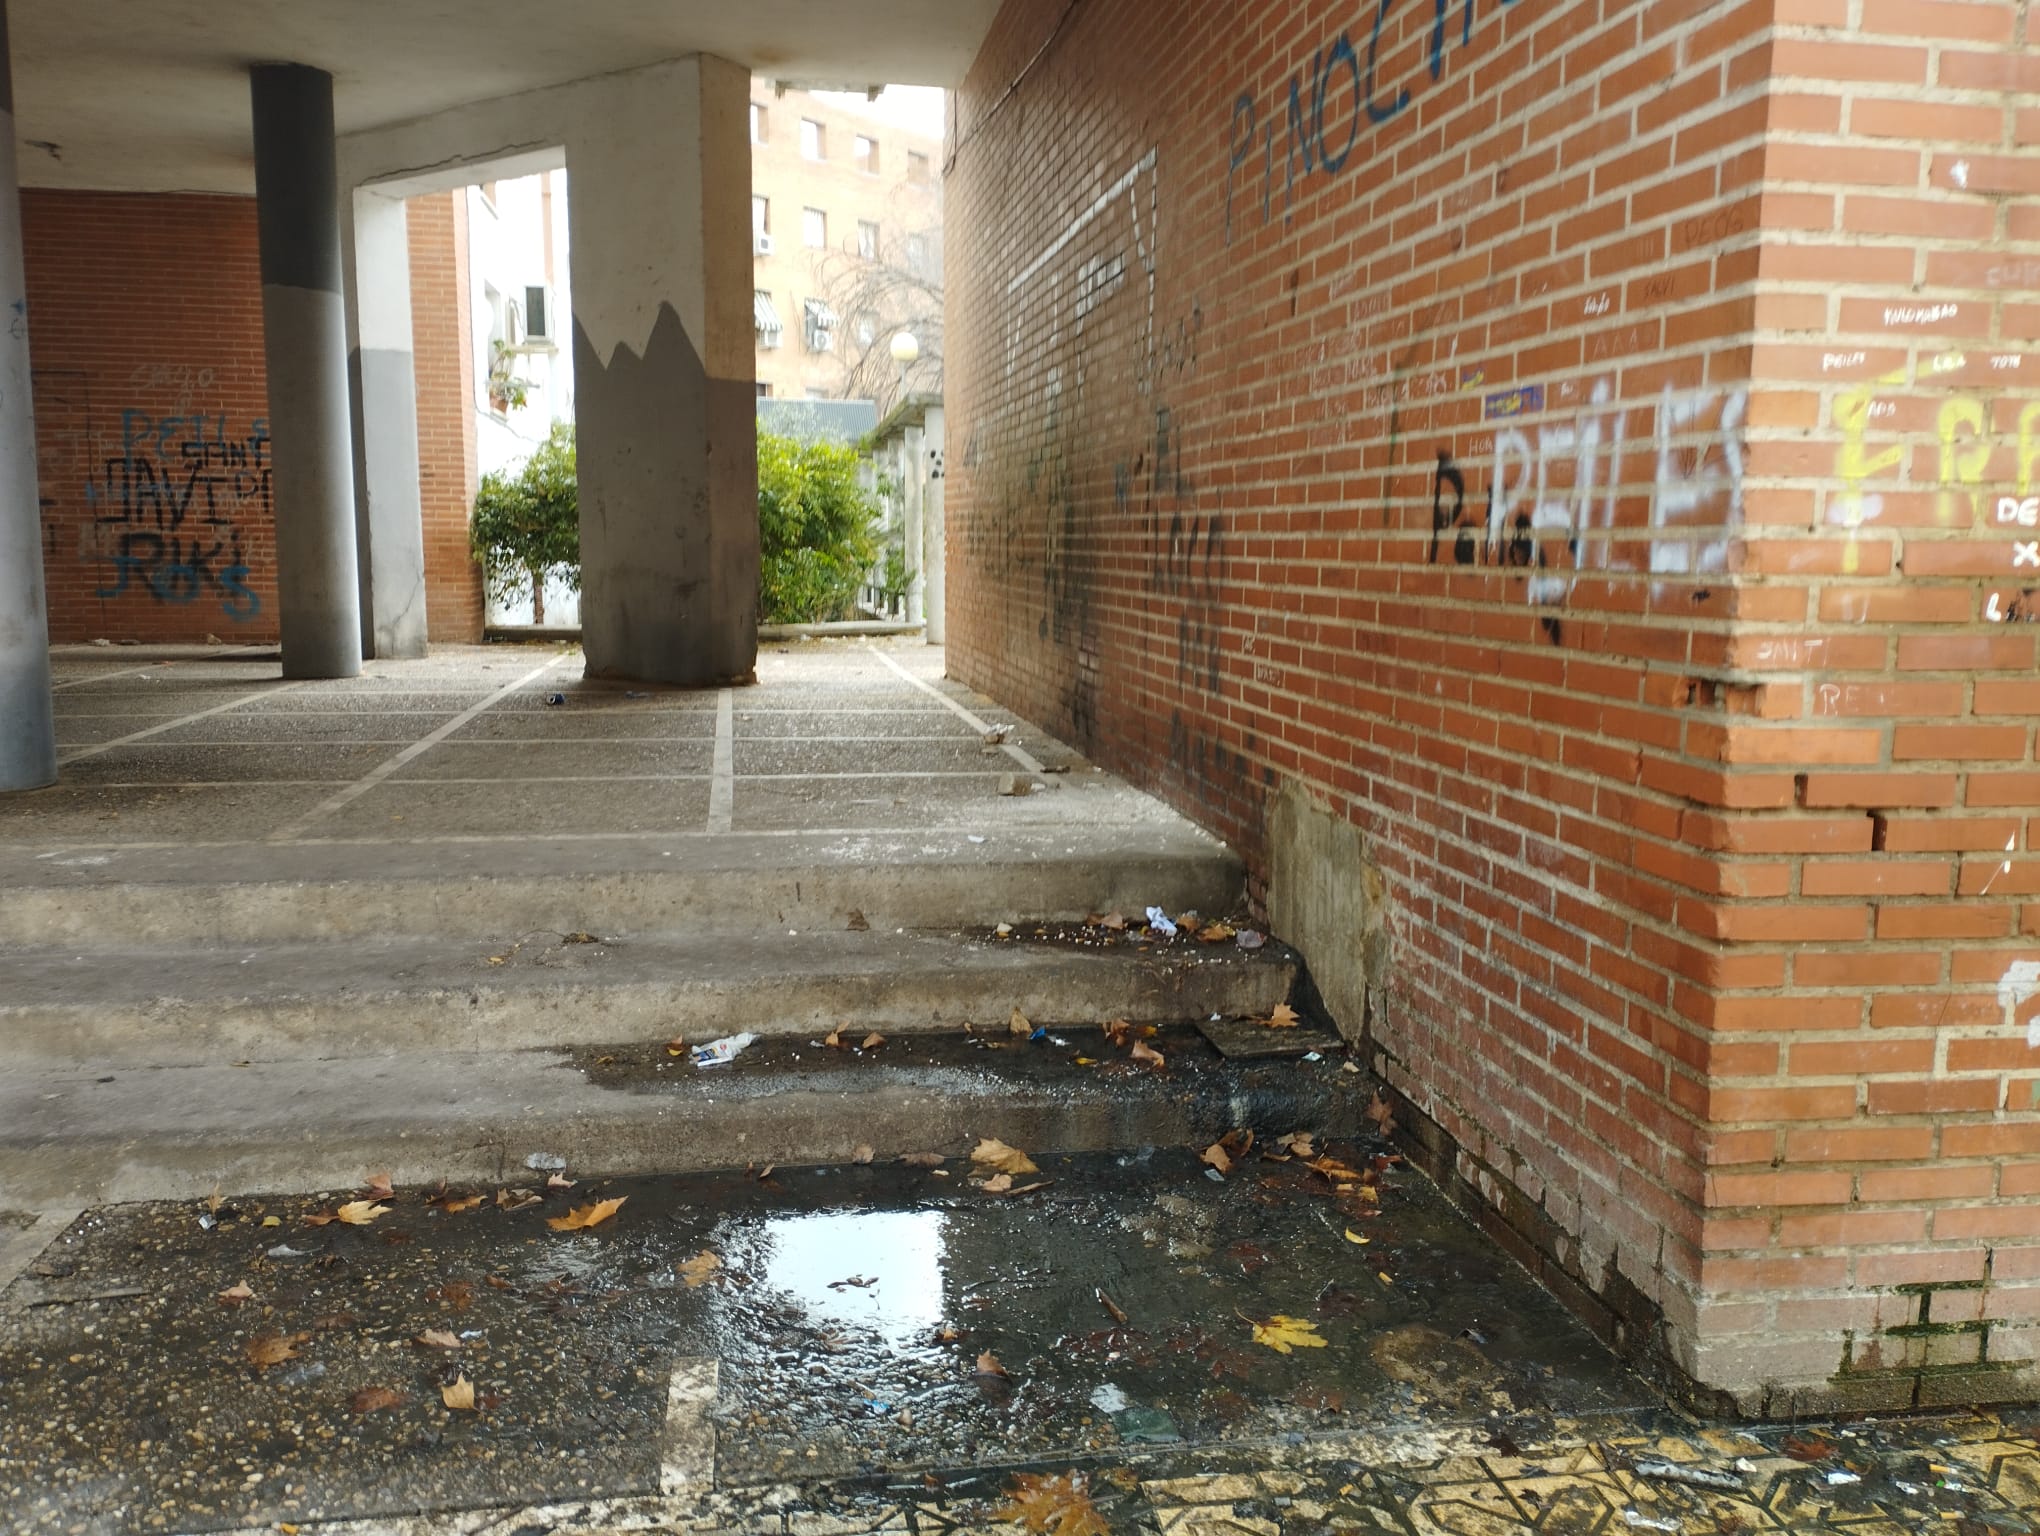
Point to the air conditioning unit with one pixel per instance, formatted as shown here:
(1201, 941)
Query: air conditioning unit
(763, 243)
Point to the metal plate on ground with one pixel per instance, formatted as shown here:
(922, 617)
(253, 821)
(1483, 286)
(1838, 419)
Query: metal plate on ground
(1248, 1039)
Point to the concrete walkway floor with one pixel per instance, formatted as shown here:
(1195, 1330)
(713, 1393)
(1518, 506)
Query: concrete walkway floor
(1137, 1344)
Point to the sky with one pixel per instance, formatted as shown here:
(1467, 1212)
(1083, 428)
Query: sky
(916, 108)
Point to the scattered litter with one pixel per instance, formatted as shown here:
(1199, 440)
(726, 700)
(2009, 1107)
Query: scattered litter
(1646, 1523)
(1250, 939)
(1109, 1399)
(973, 837)
(633, 693)
(1018, 784)
(1840, 1479)
(1312, 1056)
(555, 700)
(997, 735)
(1695, 1477)
(546, 1162)
(1158, 920)
(720, 1053)
(1148, 1426)
(1214, 1175)
(285, 1251)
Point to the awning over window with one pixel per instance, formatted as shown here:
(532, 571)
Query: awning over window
(820, 317)
(764, 316)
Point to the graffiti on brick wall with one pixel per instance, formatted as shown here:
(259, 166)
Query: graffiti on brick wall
(1320, 112)
(1554, 492)
(1185, 549)
(169, 508)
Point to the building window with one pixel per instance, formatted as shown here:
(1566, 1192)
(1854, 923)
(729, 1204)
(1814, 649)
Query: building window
(865, 152)
(764, 390)
(918, 169)
(867, 239)
(821, 326)
(813, 144)
(766, 320)
(761, 215)
(917, 253)
(814, 229)
(761, 123)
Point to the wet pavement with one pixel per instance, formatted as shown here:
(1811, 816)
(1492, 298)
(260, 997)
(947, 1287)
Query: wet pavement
(1311, 1342)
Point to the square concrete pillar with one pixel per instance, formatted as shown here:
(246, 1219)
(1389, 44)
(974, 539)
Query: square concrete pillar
(659, 195)
(389, 520)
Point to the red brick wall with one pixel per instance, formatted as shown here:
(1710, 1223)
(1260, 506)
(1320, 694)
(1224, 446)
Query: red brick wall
(445, 364)
(1450, 412)
(150, 411)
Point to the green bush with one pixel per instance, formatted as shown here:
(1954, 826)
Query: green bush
(527, 525)
(818, 530)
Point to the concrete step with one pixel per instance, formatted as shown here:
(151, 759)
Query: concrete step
(108, 1131)
(197, 1004)
(244, 893)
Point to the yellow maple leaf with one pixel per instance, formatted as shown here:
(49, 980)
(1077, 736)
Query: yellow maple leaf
(1057, 1505)
(359, 1213)
(585, 1216)
(994, 1153)
(699, 1270)
(1282, 1334)
(1284, 1017)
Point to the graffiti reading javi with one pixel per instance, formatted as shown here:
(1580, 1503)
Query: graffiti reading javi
(1323, 109)
(170, 508)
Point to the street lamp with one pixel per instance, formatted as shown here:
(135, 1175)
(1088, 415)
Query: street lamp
(906, 350)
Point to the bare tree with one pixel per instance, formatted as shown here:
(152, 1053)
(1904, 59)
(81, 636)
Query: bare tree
(878, 292)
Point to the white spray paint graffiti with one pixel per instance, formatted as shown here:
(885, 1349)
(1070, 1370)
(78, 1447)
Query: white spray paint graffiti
(2019, 986)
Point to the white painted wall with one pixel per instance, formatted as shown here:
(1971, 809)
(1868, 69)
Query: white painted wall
(506, 254)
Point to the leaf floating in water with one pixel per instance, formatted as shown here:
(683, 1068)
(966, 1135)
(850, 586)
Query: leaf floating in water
(1058, 1505)
(1283, 1334)
(585, 1216)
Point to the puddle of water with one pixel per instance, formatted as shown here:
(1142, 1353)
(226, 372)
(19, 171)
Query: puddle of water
(878, 1272)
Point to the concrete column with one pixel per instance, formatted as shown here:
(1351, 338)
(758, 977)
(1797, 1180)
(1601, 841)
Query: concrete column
(911, 487)
(658, 202)
(388, 509)
(934, 531)
(28, 743)
(305, 340)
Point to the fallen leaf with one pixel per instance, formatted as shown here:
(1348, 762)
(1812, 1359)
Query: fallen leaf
(321, 1219)
(437, 1338)
(1148, 1056)
(1381, 1113)
(1301, 1143)
(1284, 1017)
(497, 1283)
(1117, 1031)
(453, 1205)
(560, 1181)
(579, 938)
(585, 1216)
(213, 1201)
(858, 922)
(459, 1394)
(872, 1041)
(1004, 930)
(998, 1184)
(272, 1221)
(265, 1350)
(1018, 1024)
(835, 1039)
(456, 1294)
(234, 1295)
(993, 1153)
(1113, 922)
(988, 1365)
(1814, 1449)
(677, 1046)
(863, 1154)
(1215, 1154)
(359, 1213)
(924, 1159)
(1283, 1334)
(1087, 1061)
(1355, 1237)
(378, 1186)
(699, 1270)
(375, 1399)
(517, 1199)
(1217, 933)
(1058, 1505)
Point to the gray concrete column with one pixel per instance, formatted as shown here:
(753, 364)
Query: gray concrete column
(389, 512)
(665, 403)
(304, 332)
(28, 743)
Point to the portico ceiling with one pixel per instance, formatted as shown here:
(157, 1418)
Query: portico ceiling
(152, 95)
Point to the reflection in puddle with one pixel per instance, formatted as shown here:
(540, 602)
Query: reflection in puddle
(878, 1271)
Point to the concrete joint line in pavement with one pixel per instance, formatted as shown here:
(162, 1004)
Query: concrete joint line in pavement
(687, 1451)
(722, 786)
(415, 750)
(77, 754)
(1018, 754)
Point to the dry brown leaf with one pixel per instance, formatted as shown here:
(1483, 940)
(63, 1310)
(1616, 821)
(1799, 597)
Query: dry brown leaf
(1118, 1031)
(453, 1205)
(214, 1201)
(872, 1041)
(1217, 933)
(378, 1186)
(988, 1365)
(1382, 1114)
(1300, 1143)
(863, 1154)
(1284, 1017)
(517, 1199)
(993, 1153)
(835, 1039)
(1058, 1505)
(1019, 1024)
(267, 1349)
(560, 1181)
(998, 1184)
(234, 1295)
(924, 1159)
(585, 1216)
(1148, 1056)
(458, 1295)
(437, 1338)
(459, 1395)
(1113, 922)
(579, 938)
(677, 1046)
(375, 1399)
(321, 1219)
(1216, 1155)
(359, 1213)
(699, 1270)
